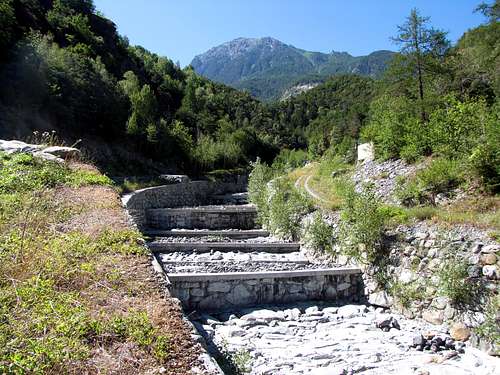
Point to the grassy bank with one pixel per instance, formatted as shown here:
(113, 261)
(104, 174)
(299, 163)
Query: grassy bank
(77, 294)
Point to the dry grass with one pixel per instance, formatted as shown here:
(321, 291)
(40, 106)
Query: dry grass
(70, 261)
(125, 283)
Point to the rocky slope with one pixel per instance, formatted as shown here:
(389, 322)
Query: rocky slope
(266, 66)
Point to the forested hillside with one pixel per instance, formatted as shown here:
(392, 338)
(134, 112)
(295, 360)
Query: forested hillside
(64, 67)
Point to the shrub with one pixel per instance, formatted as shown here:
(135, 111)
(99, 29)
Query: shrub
(485, 157)
(394, 214)
(22, 172)
(329, 163)
(458, 127)
(258, 194)
(210, 154)
(455, 283)
(319, 235)
(408, 293)
(490, 329)
(362, 225)
(390, 117)
(440, 176)
(286, 207)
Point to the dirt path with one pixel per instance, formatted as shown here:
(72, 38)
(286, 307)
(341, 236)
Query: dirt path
(303, 183)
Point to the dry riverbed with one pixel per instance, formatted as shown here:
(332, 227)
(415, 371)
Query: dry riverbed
(321, 339)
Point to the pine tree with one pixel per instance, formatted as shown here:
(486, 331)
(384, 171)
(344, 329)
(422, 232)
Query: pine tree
(420, 44)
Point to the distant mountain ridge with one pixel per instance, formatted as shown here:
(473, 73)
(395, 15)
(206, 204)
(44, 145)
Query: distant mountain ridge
(267, 67)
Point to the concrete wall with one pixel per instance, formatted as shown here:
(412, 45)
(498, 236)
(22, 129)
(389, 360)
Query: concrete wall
(194, 219)
(226, 291)
(178, 195)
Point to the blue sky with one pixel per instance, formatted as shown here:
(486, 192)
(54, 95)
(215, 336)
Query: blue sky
(181, 29)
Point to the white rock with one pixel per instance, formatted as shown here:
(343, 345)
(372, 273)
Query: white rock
(264, 315)
(11, 147)
(62, 152)
(406, 276)
(490, 249)
(366, 152)
(348, 311)
(490, 272)
(381, 299)
(48, 157)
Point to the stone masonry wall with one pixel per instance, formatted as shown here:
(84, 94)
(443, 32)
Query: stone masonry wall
(192, 219)
(223, 294)
(415, 263)
(178, 195)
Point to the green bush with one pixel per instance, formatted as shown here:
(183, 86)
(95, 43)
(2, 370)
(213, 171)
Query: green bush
(455, 283)
(319, 235)
(280, 206)
(331, 162)
(362, 225)
(390, 117)
(485, 157)
(408, 293)
(258, 194)
(394, 214)
(286, 207)
(490, 329)
(458, 127)
(440, 176)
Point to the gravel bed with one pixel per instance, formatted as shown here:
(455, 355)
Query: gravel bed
(222, 267)
(268, 239)
(231, 256)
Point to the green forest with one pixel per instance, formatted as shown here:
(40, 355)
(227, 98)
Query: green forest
(64, 68)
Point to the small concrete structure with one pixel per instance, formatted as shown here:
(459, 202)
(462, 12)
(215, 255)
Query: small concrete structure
(226, 291)
(366, 152)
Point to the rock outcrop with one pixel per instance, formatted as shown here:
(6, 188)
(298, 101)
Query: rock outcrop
(51, 153)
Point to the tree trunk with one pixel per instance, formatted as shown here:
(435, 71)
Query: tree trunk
(421, 92)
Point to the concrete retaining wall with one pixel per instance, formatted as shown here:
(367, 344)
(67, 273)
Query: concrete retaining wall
(219, 292)
(193, 193)
(201, 219)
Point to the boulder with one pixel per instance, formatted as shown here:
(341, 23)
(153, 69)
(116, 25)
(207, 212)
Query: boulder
(48, 157)
(381, 299)
(62, 152)
(386, 322)
(490, 272)
(490, 249)
(433, 316)
(348, 311)
(459, 332)
(488, 259)
(263, 315)
(12, 147)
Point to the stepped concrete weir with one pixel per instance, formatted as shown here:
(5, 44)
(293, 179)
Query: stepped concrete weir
(230, 290)
(253, 298)
(215, 257)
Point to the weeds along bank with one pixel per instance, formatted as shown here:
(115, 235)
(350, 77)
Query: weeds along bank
(76, 291)
(425, 235)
